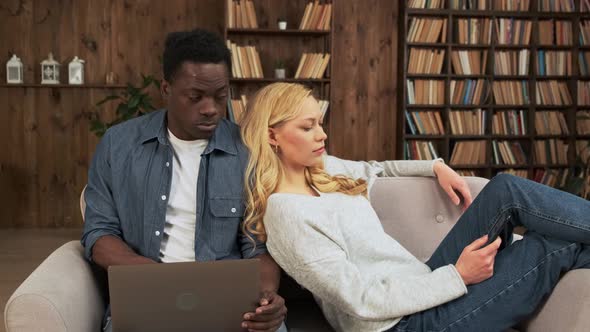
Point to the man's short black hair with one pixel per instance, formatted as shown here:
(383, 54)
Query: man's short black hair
(198, 46)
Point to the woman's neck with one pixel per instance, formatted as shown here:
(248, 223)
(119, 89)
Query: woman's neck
(293, 181)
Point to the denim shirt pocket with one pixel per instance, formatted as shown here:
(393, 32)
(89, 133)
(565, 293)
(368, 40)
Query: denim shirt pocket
(227, 213)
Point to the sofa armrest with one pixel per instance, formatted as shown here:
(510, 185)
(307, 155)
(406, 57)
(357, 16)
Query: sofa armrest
(568, 307)
(62, 294)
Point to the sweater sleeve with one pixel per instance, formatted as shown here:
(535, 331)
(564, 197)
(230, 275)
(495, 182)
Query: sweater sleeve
(312, 253)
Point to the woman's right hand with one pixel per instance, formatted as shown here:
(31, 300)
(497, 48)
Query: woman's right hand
(476, 264)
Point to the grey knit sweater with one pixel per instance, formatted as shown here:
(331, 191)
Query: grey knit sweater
(334, 245)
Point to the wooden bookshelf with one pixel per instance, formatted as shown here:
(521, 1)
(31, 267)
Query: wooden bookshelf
(286, 46)
(508, 83)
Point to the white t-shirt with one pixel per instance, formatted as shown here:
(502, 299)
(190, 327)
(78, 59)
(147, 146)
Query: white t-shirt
(178, 242)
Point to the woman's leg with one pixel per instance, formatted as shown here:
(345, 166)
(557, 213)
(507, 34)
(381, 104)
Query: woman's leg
(525, 273)
(517, 202)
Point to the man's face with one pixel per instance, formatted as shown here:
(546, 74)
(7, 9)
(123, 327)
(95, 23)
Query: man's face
(196, 99)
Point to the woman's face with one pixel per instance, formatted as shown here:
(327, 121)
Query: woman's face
(301, 140)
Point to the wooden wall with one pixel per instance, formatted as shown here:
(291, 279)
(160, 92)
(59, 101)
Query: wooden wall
(46, 143)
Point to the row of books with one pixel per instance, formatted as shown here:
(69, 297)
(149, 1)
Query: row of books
(241, 14)
(469, 62)
(473, 62)
(553, 93)
(425, 61)
(316, 16)
(523, 173)
(472, 122)
(469, 4)
(511, 92)
(473, 31)
(427, 30)
(584, 62)
(505, 5)
(425, 123)
(432, 4)
(312, 65)
(245, 61)
(555, 63)
(508, 153)
(510, 122)
(583, 123)
(425, 92)
(550, 123)
(552, 177)
(555, 32)
(551, 151)
(419, 150)
(585, 33)
(239, 107)
(469, 153)
(511, 62)
(510, 31)
(583, 92)
(467, 92)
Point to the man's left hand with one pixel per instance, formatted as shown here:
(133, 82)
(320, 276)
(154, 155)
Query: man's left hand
(268, 316)
(451, 182)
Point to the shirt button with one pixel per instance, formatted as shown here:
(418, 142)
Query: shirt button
(167, 164)
(157, 233)
(163, 197)
(439, 218)
(233, 210)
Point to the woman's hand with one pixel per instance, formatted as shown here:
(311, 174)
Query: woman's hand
(450, 181)
(476, 264)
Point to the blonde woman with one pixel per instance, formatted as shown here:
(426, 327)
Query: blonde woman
(322, 230)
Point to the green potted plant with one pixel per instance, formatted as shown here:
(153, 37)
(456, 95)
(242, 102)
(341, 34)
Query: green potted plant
(133, 102)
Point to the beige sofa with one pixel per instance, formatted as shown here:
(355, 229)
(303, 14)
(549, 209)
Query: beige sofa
(65, 294)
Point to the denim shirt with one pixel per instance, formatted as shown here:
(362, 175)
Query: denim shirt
(129, 185)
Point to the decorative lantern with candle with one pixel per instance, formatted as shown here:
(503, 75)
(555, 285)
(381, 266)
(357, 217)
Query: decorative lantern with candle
(50, 70)
(76, 71)
(14, 70)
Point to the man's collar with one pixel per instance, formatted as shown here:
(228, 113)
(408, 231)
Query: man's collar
(222, 138)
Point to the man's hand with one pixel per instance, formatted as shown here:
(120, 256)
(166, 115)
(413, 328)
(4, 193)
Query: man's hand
(450, 181)
(268, 316)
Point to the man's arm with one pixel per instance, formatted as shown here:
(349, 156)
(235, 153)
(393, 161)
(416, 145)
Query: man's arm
(110, 250)
(102, 228)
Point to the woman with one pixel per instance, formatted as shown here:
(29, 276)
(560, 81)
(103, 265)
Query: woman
(322, 230)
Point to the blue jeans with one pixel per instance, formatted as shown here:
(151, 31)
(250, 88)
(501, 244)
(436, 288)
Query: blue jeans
(526, 271)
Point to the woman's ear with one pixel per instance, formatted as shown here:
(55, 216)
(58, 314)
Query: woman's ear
(272, 136)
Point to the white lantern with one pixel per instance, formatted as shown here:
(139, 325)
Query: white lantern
(50, 70)
(14, 70)
(76, 71)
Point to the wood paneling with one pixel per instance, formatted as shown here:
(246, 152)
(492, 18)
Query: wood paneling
(46, 143)
(362, 118)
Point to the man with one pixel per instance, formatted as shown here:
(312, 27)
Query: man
(167, 186)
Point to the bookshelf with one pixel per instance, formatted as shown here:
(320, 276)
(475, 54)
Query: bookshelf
(511, 80)
(257, 28)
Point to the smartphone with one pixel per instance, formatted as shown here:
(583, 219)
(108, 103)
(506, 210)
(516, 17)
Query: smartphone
(497, 229)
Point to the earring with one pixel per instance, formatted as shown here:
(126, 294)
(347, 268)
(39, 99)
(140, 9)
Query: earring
(276, 149)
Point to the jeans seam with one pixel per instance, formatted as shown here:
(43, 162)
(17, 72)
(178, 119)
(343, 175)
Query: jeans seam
(511, 286)
(560, 221)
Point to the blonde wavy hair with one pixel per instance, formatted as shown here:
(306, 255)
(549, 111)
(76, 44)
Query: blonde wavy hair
(272, 106)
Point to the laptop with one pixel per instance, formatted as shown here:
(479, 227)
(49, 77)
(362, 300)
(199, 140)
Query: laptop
(191, 296)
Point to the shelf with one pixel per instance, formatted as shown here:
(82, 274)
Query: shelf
(511, 77)
(429, 106)
(554, 47)
(427, 45)
(274, 32)
(555, 77)
(505, 166)
(459, 166)
(81, 86)
(549, 166)
(421, 76)
(549, 136)
(272, 80)
(424, 137)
